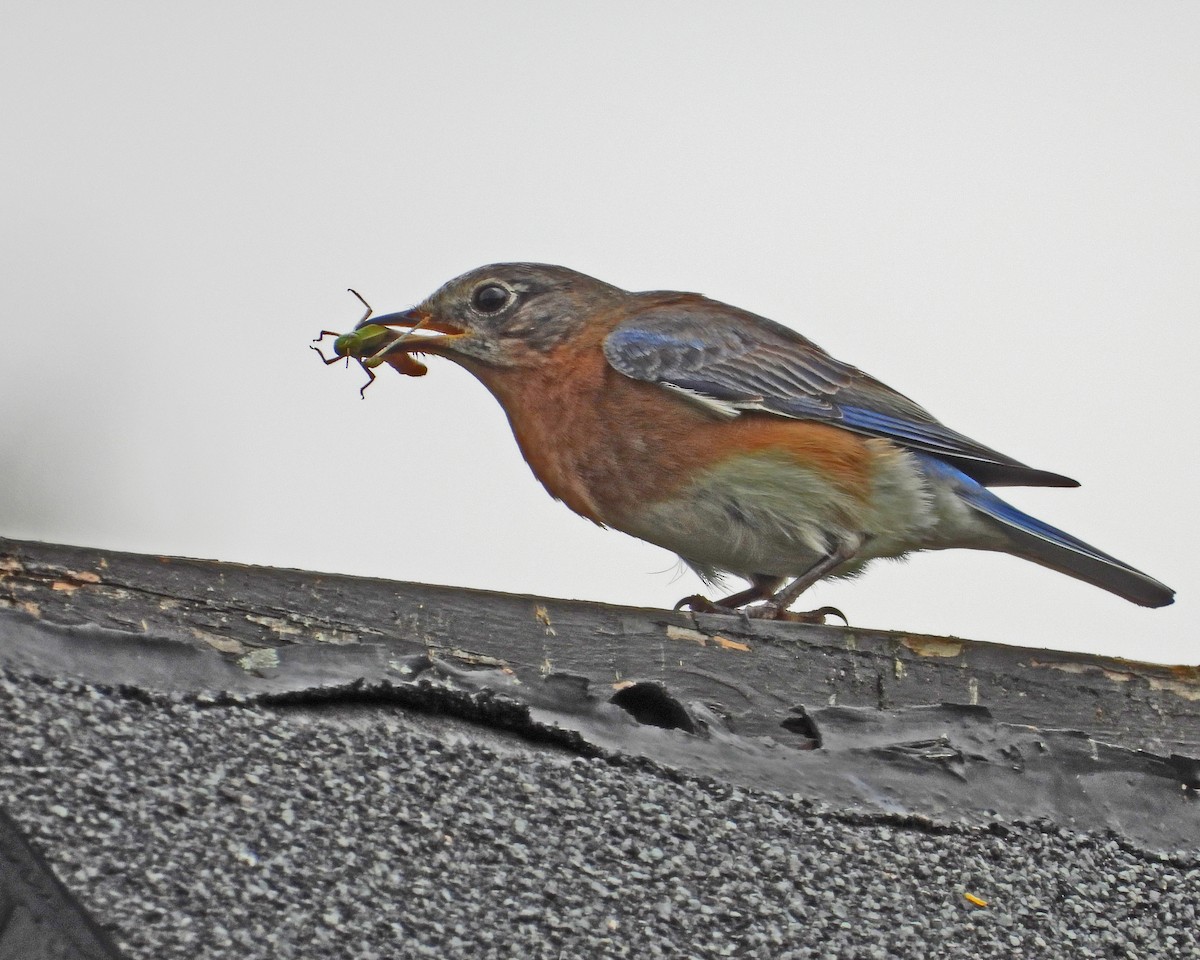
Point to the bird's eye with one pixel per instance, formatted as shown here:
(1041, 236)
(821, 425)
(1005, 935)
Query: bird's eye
(491, 298)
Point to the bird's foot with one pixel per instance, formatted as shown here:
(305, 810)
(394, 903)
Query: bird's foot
(772, 611)
(761, 611)
(698, 604)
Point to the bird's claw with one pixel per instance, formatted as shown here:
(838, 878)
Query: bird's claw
(698, 604)
(761, 611)
(772, 611)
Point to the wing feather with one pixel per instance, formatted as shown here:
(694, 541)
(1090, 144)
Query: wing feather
(733, 361)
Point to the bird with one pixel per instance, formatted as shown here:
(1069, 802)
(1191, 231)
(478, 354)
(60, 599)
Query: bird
(730, 439)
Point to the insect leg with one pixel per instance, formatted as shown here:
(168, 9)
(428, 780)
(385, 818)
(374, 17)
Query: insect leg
(364, 303)
(370, 380)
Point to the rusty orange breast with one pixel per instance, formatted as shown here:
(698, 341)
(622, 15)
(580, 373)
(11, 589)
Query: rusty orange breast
(605, 444)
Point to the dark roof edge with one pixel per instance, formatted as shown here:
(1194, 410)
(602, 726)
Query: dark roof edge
(861, 719)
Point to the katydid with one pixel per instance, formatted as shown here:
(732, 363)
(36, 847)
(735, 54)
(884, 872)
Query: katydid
(369, 346)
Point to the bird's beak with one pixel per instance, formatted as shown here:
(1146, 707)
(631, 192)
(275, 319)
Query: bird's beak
(425, 333)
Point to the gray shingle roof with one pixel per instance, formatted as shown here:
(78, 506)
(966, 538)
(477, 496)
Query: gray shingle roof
(211, 776)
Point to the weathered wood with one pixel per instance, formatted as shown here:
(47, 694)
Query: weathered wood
(757, 670)
(865, 720)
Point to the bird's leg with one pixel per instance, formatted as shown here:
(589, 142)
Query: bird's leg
(776, 608)
(762, 586)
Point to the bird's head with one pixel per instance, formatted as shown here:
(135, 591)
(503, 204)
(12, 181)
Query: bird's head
(502, 315)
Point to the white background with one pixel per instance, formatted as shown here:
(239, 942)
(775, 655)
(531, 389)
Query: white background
(994, 208)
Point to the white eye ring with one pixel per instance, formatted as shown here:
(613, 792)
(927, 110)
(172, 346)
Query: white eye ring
(491, 297)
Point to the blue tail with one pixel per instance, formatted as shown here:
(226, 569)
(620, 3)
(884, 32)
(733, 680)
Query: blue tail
(1041, 543)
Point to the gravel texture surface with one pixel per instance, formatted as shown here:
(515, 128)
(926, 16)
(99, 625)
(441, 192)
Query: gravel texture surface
(193, 830)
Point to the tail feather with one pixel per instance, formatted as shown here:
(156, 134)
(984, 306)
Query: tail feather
(1041, 543)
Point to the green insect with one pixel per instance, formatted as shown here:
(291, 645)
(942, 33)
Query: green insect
(369, 346)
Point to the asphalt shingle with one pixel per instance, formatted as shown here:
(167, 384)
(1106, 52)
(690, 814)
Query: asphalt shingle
(228, 761)
(242, 830)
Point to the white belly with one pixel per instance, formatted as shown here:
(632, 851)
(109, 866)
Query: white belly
(764, 514)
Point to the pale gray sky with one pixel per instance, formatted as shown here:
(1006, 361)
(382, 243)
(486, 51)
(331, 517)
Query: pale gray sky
(994, 208)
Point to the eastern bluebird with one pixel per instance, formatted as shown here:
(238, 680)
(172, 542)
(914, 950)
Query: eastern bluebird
(729, 439)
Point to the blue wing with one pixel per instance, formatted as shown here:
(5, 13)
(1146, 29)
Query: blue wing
(738, 362)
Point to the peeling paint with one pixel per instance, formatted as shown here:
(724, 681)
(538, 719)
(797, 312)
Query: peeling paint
(933, 646)
(223, 644)
(475, 659)
(336, 638)
(726, 644)
(1189, 691)
(973, 691)
(1183, 680)
(275, 624)
(685, 633)
(1187, 686)
(1067, 666)
(542, 615)
(72, 580)
(898, 668)
(11, 565)
(265, 658)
